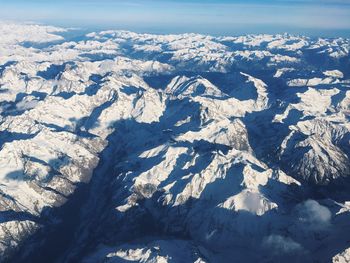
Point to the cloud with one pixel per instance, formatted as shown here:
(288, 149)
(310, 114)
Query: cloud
(313, 215)
(280, 245)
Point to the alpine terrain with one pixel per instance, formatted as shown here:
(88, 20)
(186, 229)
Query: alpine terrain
(125, 147)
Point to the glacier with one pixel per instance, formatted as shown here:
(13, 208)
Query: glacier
(118, 146)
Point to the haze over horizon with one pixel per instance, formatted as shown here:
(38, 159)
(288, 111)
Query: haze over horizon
(222, 17)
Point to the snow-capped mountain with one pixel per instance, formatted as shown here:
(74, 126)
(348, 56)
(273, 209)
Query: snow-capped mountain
(117, 147)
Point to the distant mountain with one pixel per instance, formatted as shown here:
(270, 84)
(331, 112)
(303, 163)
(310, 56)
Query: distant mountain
(125, 147)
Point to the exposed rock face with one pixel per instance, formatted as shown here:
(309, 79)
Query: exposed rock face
(208, 145)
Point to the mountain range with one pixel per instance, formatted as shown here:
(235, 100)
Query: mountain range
(125, 147)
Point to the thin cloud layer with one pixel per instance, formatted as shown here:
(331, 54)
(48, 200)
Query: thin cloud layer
(281, 245)
(313, 215)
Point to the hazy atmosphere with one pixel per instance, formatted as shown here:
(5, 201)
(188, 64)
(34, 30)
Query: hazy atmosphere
(218, 17)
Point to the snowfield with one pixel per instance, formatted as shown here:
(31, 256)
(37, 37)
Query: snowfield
(124, 147)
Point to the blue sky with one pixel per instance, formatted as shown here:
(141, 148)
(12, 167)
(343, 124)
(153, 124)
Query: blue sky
(223, 17)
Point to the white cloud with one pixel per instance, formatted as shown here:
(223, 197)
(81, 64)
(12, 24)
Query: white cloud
(279, 245)
(313, 215)
(15, 33)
